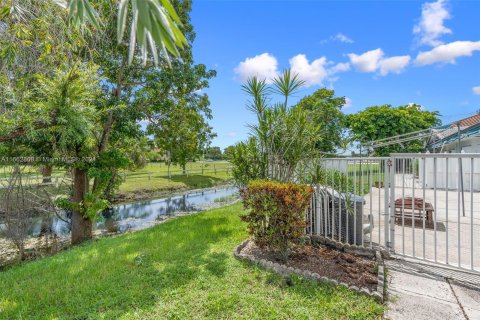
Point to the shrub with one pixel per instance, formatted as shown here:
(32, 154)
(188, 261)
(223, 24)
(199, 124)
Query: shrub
(247, 162)
(276, 215)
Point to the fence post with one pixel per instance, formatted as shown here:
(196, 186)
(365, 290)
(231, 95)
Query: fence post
(386, 210)
(391, 216)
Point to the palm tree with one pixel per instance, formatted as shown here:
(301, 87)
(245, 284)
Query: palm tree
(154, 23)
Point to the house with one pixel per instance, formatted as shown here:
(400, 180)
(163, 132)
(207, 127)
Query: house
(450, 173)
(447, 138)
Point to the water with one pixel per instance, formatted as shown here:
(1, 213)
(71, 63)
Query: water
(138, 215)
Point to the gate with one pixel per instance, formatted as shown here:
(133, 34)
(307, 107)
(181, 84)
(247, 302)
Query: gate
(422, 206)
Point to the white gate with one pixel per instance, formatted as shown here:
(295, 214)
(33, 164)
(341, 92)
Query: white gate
(423, 206)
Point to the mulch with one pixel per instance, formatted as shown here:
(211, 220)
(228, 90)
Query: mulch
(344, 267)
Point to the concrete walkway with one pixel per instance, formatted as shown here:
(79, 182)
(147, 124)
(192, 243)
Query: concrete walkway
(419, 291)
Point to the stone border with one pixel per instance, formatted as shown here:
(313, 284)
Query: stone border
(285, 271)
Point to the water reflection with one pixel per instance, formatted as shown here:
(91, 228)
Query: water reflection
(138, 215)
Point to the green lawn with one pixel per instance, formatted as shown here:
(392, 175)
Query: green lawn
(153, 180)
(181, 269)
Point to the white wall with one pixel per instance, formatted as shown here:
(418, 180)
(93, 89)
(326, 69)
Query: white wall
(452, 177)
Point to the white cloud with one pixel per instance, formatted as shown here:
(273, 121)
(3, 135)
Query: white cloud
(393, 64)
(447, 53)
(476, 90)
(339, 67)
(263, 66)
(430, 27)
(348, 103)
(366, 62)
(312, 73)
(339, 37)
(342, 38)
(232, 134)
(373, 61)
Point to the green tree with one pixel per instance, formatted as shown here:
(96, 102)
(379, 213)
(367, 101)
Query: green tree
(379, 122)
(178, 111)
(227, 152)
(53, 98)
(213, 153)
(183, 134)
(325, 109)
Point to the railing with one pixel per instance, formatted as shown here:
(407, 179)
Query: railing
(425, 206)
(349, 200)
(445, 226)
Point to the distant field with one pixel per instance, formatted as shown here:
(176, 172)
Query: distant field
(152, 180)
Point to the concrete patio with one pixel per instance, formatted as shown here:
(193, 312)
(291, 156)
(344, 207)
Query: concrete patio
(431, 243)
(420, 291)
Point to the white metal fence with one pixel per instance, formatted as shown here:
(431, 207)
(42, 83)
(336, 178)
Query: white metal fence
(425, 206)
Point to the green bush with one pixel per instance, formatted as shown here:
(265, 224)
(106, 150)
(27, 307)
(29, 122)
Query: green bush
(247, 162)
(276, 215)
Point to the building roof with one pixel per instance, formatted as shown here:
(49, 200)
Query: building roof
(449, 133)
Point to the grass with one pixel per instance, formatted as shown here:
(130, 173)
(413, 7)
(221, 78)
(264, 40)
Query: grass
(157, 181)
(181, 269)
(153, 180)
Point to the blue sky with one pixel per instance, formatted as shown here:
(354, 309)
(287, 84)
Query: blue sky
(371, 52)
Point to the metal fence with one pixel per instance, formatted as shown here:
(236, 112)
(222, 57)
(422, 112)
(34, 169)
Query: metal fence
(425, 206)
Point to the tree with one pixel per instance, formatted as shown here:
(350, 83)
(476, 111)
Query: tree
(324, 109)
(183, 135)
(227, 152)
(379, 122)
(213, 153)
(153, 24)
(177, 110)
(86, 38)
(282, 139)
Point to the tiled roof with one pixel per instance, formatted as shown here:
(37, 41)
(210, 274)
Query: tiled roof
(447, 133)
(470, 121)
(464, 124)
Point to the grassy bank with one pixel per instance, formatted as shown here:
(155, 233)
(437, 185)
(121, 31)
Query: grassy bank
(177, 270)
(154, 180)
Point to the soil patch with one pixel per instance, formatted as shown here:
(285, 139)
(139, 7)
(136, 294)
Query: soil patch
(327, 262)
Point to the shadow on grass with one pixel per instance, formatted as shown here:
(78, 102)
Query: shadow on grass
(198, 181)
(112, 277)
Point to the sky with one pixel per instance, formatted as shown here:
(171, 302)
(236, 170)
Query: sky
(370, 52)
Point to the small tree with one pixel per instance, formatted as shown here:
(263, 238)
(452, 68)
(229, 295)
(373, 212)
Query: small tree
(283, 138)
(20, 205)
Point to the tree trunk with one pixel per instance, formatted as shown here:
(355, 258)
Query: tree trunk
(110, 189)
(184, 168)
(81, 226)
(19, 243)
(47, 173)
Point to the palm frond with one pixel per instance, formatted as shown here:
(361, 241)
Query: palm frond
(286, 84)
(155, 25)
